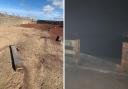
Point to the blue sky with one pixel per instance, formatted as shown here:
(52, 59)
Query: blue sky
(37, 9)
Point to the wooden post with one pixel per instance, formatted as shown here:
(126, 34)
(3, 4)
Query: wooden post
(124, 59)
(76, 48)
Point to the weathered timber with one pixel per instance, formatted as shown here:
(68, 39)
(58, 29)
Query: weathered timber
(15, 58)
(124, 60)
(75, 51)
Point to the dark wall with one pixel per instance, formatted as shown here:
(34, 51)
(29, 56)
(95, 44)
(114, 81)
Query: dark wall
(100, 24)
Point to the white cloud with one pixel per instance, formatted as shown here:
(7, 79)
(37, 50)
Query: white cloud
(58, 16)
(34, 14)
(58, 3)
(51, 10)
(48, 9)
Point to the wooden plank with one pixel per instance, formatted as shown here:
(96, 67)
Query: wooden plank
(67, 51)
(68, 43)
(124, 60)
(16, 60)
(77, 51)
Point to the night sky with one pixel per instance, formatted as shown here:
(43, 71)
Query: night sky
(101, 25)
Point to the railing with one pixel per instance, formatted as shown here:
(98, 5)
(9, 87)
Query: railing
(74, 50)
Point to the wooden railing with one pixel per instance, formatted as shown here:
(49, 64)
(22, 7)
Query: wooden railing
(74, 50)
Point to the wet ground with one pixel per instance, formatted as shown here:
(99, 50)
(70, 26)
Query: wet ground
(94, 73)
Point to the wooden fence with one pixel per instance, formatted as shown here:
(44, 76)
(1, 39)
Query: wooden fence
(72, 47)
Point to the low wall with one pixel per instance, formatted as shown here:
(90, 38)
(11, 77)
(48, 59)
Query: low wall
(13, 21)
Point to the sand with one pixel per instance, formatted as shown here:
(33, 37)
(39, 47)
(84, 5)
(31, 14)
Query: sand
(42, 59)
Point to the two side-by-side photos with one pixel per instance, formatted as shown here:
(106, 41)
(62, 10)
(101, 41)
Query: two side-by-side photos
(31, 44)
(63, 44)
